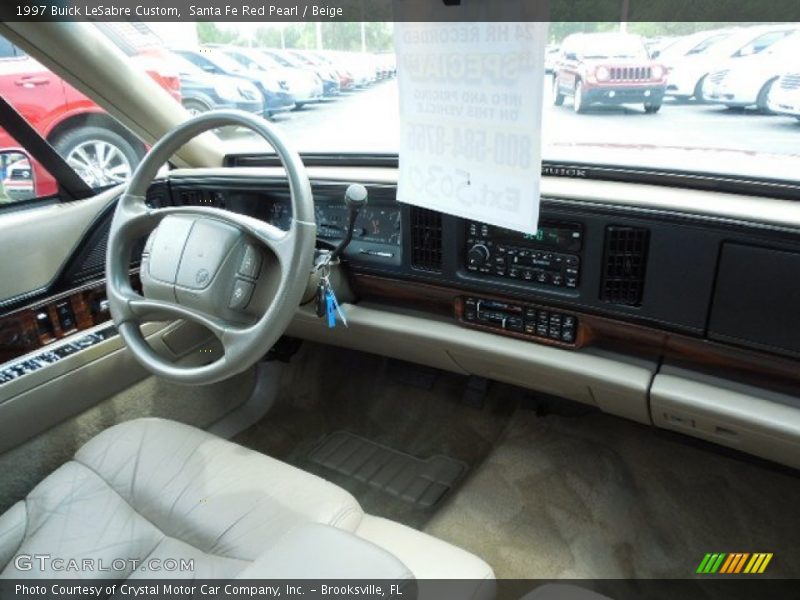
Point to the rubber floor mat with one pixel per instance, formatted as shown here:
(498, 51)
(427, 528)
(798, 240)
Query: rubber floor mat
(420, 482)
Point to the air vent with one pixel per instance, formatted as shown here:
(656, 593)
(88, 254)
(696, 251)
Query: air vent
(157, 195)
(426, 240)
(625, 261)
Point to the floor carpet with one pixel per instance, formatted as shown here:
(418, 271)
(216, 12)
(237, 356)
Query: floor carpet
(406, 408)
(595, 496)
(565, 492)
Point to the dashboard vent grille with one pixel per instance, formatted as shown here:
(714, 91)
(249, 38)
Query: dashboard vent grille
(158, 195)
(426, 239)
(625, 261)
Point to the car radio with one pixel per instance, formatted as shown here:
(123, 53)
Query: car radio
(547, 257)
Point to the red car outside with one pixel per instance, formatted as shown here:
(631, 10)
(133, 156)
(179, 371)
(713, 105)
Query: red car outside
(100, 150)
(608, 68)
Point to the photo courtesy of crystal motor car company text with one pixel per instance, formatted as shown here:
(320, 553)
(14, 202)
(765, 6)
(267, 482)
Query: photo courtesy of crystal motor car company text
(418, 299)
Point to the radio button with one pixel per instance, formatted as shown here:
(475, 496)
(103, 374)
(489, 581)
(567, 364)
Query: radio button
(515, 324)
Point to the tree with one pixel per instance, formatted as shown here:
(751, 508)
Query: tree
(209, 33)
(267, 37)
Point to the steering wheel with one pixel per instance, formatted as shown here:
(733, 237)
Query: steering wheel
(237, 276)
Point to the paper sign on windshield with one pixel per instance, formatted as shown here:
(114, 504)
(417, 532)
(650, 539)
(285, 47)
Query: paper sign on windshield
(470, 115)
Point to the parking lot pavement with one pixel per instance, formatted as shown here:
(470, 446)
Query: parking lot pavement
(367, 120)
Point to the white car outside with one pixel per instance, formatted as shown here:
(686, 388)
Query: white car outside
(686, 73)
(746, 81)
(784, 96)
(694, 43)
(306, 87)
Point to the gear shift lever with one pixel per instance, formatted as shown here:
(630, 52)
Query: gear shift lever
(355, 198)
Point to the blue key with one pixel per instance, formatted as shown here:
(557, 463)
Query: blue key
(330, 308)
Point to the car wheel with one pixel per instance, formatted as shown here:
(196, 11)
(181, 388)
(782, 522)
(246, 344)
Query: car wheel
(579, 103)
(558, 97)
(299, 105)
(100, 156)
(763, 95)
(195, 107)
(652, 108)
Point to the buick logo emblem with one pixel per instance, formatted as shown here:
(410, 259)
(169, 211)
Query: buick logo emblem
(202, 277)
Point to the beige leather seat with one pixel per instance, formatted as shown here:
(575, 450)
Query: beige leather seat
(155, 489)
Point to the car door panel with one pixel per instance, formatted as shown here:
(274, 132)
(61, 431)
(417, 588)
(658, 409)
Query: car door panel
(38, 259)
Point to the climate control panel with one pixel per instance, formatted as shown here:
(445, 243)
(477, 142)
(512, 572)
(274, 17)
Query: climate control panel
(520, 319)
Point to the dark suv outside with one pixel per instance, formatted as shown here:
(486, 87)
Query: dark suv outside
(608, 68)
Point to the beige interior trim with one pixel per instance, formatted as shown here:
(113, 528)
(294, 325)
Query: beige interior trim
(33, 403)
(747, 419)
(611, 383)
(82, 55)
(47, 235)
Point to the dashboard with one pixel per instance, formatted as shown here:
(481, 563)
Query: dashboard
(616, 300)
(680, 273)
(683, 287)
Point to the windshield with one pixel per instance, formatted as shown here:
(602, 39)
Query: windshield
(336, 92)
(787, 47)
(283, 58)
(707, 42)
(183, 66)
(344, 95)
(222, 60)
